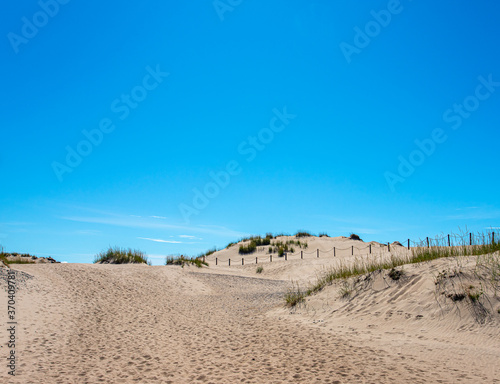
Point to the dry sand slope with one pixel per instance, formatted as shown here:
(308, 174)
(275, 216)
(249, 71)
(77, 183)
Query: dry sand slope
(138, 324)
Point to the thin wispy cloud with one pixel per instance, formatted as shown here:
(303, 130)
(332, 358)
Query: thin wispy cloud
(161, 240)
(127, 221)
(158, 217)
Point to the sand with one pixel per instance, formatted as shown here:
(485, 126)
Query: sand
(80, 323)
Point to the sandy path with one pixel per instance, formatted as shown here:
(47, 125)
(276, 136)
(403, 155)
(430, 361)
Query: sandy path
(126, 324)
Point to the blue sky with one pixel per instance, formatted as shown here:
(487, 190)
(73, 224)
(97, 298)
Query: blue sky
(374, 117)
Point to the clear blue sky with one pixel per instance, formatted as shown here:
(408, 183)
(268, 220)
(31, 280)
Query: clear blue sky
(314, 106)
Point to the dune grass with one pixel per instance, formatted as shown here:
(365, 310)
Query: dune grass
(183, 260)
(361, 266)
(255, 241)
(4, 255)
(209, 252)
(303, 233)
(119, 255)
(19, 261)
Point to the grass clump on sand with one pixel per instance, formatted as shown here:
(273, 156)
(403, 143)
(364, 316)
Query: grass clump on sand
(4, 257)
(255, 241)
(353, 236)
(281, 247)
(295, 296)
(302, 234)
(119, 255)
(260, 269)
(182, 261)
(246, 249)
(209, 252)
(19, 261)
(417, 255)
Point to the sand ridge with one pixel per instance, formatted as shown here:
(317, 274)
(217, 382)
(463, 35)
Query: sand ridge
(134, 323)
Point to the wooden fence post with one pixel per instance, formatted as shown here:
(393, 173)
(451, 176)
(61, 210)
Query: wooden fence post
(492, 237)
(256, 260)
(428, 245)
(301, 254)
(470, 237)
(242, 261)
(270, 258)
(352, 250)
(215, 261)
(388, 247)
(408, 244)
(370, 248)
(334, 252)
(229, 262)
(204, 259)
(285, 257)
(317, 252)
(449, 241)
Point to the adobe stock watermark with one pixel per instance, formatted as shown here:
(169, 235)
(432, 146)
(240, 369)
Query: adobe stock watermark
(223, 6)
(30, 28)
(122, 107)
(248, 148)
(363, 37)
(454, 117)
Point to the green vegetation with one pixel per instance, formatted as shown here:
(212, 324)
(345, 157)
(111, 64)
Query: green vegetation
(4, 255)
(323, 234)
(119, 255)
(294, 296)
(474, 294)
(255, 241)
(182, 261)
(19, 261)
(209, 252)
(260, 269)
(246, 249)
(353, 236)
(418, 255)
(302, 234)
(281, 247)
(281, 235)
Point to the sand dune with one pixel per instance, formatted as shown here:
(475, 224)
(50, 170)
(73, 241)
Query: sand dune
(134, 323)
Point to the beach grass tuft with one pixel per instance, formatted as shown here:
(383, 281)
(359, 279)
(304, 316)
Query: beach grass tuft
(117, 255)
(183, 260)
(360, 266)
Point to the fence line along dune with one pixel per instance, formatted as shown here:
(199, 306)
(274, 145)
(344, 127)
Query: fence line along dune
(436, 320)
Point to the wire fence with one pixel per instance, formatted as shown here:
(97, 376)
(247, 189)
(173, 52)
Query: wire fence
(451, 240)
